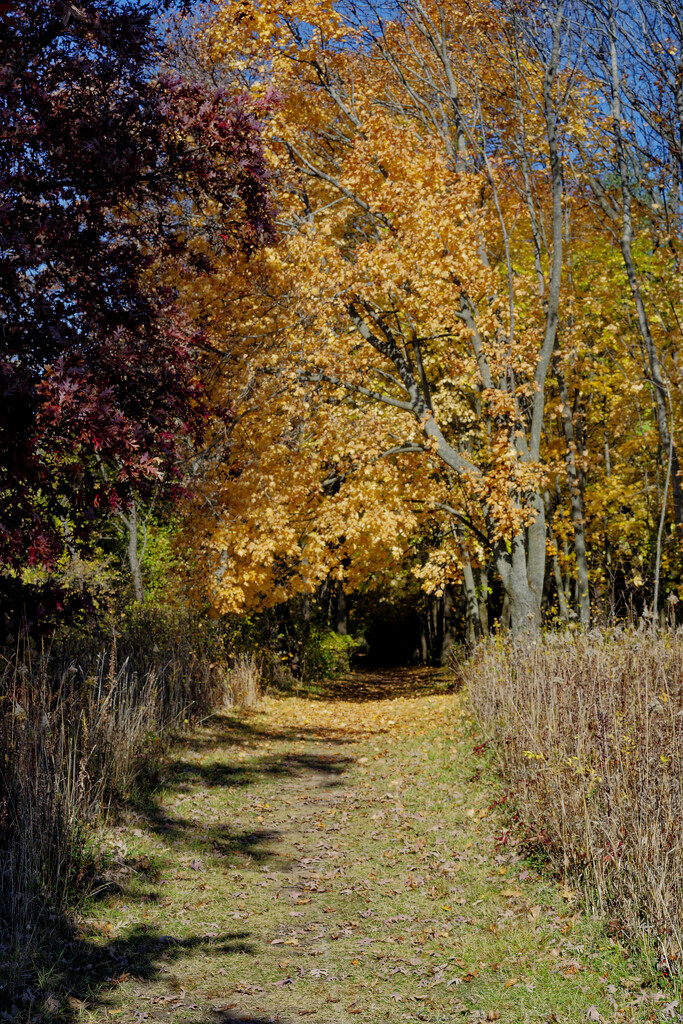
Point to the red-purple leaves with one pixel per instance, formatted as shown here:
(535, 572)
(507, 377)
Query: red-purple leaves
(101, 166)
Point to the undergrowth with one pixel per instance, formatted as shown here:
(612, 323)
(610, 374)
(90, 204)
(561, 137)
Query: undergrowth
(81, 724)
(587, 729)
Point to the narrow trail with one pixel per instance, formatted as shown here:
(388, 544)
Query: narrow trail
(338, 858)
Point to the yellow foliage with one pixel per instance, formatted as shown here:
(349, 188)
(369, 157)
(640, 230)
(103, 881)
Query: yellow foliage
(405, 254)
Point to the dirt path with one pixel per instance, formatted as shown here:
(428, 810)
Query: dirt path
(338, 859)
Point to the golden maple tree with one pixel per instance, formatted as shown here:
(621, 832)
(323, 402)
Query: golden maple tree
(420, 339)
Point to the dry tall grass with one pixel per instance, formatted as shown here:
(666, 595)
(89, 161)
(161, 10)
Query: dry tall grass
(75, 732)
(244, 681)
(588, 730)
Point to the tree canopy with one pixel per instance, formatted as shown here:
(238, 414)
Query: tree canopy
(103, 159)
(478, 240)
(402, 281)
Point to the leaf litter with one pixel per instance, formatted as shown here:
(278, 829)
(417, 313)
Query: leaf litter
(366, 807)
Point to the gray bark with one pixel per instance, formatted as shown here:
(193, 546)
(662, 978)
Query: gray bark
(505, 613)
(135, 556)
(576, 501)
(511, 565)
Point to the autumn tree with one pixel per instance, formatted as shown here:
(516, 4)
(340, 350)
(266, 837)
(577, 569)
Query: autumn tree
(102, 162)
(398, 213)
(442, 343)
(615, 49)
(633, 169)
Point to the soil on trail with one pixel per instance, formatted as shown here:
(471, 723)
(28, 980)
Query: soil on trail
(337, 857)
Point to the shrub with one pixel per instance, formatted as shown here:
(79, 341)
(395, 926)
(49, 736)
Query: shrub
(327, 654)
(588, 732)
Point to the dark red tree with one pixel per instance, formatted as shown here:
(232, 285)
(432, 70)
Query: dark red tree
(101, 161)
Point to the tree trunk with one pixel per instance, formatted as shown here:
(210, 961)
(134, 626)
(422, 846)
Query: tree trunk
(484, 599)
(575, 501)
(134, 557)
(306, 609)
(424, 646)
(472, 621)
(505, 612)
(341, 616)
(435, 605)
(448, 628)
(515, 573)
(557, 572)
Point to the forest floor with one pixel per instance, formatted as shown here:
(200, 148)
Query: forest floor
(339, 855)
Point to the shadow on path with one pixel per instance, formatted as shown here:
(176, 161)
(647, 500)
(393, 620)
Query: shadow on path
(87, 970)
(187, 817)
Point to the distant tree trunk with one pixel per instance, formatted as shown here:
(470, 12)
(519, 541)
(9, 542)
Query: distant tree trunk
(436, 607)
(341, 616)
(484, 599)
(561, 599)
(433, 627)
(134, 555)
(557, 572)
(448, 628)
(424, 646)
(575, 501)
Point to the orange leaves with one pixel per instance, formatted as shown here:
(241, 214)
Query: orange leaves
(374, 214)
(381, 362)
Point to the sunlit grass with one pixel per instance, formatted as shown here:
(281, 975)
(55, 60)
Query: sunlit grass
(340, 859)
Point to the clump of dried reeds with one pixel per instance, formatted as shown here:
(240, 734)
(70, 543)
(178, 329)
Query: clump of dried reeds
(244, 681)
(588, 730)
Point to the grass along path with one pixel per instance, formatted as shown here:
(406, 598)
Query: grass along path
(337, 858)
